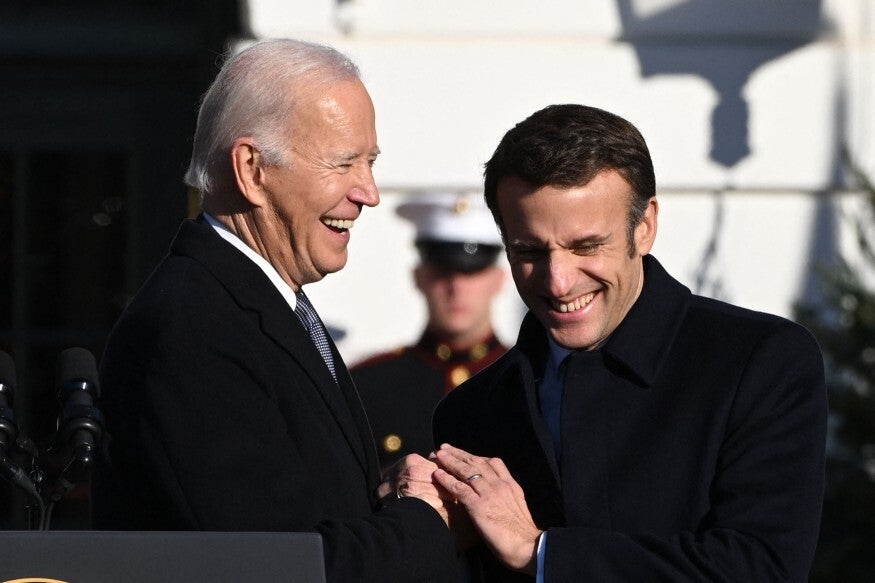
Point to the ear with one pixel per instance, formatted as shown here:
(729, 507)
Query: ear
(248, 170)
(645, 232)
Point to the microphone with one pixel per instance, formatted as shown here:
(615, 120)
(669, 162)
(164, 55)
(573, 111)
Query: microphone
(9, 428)
(80, 423)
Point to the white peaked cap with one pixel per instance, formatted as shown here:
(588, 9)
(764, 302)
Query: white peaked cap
(451, 217)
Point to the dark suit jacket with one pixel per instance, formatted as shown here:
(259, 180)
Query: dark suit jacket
(223, 416)
(692, 443)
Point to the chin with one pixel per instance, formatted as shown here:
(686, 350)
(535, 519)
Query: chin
(571, 340)
(332, 266)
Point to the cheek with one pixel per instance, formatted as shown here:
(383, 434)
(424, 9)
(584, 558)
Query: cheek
(519, 275)
(433, 293)
(487, 290)
(336, 188)
(522, 271)
(524, 280)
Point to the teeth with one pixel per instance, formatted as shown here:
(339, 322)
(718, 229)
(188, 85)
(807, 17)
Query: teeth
(338, 223)
(576, 304)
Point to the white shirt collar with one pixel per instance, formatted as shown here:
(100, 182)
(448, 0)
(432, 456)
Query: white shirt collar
(268, 269)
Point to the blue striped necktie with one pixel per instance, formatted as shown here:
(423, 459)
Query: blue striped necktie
(307, 314)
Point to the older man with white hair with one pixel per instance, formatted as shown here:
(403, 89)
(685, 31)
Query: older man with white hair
(228, 405)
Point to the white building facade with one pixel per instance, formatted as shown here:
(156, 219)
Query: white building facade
(747, 106)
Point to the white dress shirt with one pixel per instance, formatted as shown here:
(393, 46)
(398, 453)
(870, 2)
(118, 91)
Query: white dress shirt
(285, 289)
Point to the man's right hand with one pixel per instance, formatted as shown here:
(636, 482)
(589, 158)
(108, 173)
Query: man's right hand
(411, 476)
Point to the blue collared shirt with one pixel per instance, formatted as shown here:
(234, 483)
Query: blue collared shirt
(550, 403)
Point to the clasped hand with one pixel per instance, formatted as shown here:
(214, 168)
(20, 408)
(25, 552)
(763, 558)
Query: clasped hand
(467, 489)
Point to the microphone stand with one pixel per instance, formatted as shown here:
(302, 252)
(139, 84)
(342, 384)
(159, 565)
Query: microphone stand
(31, 484)
(80, 432)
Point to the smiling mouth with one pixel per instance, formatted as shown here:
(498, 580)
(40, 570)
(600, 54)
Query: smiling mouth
(573, 305)
(338, 224)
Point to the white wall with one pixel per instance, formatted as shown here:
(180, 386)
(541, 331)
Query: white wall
(449, 78)
(373, 299)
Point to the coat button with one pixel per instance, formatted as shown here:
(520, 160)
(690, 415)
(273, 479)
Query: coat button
(459, 375)
(443, 352)
(391, 443)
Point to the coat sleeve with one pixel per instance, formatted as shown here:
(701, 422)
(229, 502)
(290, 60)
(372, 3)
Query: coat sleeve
(766, 493)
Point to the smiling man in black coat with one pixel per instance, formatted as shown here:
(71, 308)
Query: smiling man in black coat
(635, 432)
(228, 406)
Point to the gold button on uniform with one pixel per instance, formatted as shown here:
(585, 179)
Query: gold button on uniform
(459, 375)
(443, 351)
(391, 443)
(478, 351)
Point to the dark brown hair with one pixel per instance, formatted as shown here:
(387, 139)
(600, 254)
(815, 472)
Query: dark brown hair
(568, 145)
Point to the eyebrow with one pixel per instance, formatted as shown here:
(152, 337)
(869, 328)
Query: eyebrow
(575, 243)
(590, 240)
(350, 156)
(524, 243)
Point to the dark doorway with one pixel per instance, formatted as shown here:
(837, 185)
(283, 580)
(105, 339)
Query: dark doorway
(97, 108)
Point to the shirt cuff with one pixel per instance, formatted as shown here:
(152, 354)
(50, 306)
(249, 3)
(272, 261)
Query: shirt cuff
(542, 550)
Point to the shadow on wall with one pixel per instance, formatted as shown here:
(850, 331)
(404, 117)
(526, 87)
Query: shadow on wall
(722, 42)
(725, 43)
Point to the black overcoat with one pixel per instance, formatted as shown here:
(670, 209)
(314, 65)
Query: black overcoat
(692, 443)
(222, 416)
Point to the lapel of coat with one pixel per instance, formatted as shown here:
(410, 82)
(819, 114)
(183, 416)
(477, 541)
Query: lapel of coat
(642, 342)
(587, 409)
(594, 409)
(253, 291)
(533, 344)
(340, 396)
(356, 409)
(531, 457)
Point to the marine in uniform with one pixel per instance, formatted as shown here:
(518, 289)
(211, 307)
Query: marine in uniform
(458, 244)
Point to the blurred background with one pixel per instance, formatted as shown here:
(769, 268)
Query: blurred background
(760, 116)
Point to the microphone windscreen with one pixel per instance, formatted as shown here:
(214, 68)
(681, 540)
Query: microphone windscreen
(77, 364)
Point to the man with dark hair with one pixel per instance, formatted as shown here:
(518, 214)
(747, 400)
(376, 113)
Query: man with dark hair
(635, 432)
(228, 405)
(458, 278)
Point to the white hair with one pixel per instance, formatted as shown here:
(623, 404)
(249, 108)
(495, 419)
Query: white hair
(254, 95)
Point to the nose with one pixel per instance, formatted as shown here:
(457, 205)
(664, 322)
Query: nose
(366, 191)
(454, 281)
(560, 273)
